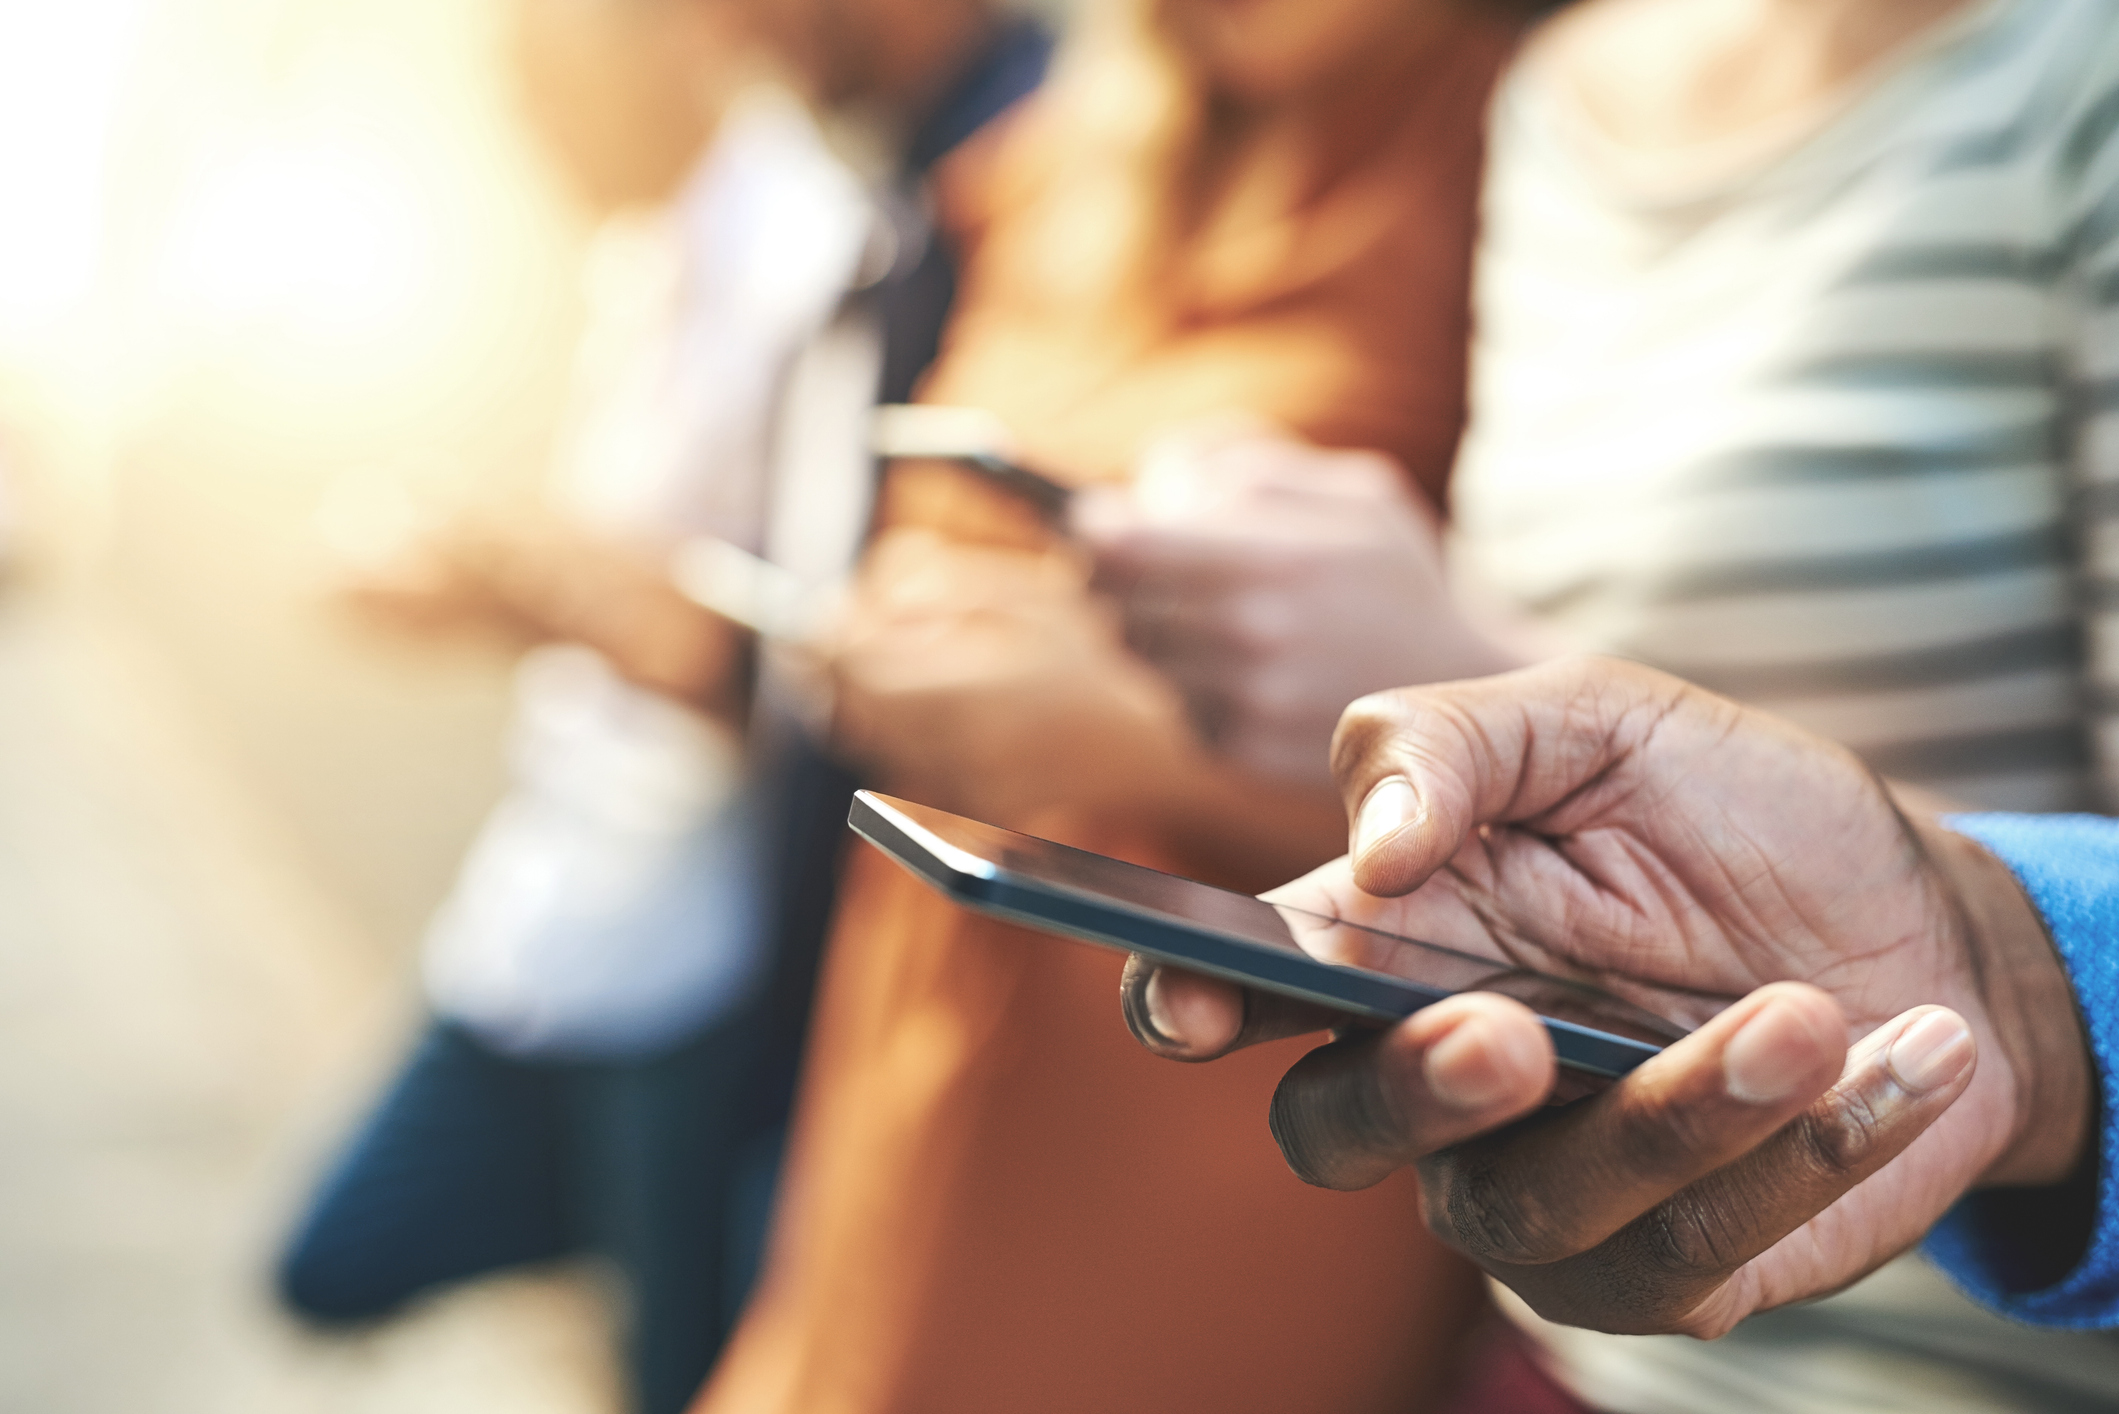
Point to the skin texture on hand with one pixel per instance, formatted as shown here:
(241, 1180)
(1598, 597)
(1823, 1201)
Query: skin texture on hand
(983, 681)
(1876, 1003)
(1271, 583)
(986, 682)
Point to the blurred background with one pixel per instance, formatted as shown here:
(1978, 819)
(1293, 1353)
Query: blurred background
(248, 248)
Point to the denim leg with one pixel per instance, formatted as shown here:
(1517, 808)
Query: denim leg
(663, 1140)
(463, 1167)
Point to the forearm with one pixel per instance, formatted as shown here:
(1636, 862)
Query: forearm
(2050, 1254)
(562, 585)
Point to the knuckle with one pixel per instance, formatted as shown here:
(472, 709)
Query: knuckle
(1666, 1134)
(1367, 726)
(1333, 1118)
(1368, 1116)
(1695, 1233)
(1486, 1212)
(1837, 1137)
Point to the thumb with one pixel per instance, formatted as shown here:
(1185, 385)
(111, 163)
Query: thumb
(1420, 769)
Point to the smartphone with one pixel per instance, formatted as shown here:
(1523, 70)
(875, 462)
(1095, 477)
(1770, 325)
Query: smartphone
(973, 439)
(747, 589)
(1047, 497)
(1365, 973)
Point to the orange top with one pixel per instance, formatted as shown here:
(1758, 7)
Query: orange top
(996, 1200)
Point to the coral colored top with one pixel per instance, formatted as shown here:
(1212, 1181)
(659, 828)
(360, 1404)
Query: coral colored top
(996, 1200)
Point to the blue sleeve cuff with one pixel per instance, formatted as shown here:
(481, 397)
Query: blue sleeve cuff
(2069, 866)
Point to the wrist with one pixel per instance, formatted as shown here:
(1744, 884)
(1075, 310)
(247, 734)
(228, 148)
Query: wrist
(2023, 983)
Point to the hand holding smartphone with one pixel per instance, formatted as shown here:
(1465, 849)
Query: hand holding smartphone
(1361, 972)
(765, 598)
(750, 590)
(971, 438)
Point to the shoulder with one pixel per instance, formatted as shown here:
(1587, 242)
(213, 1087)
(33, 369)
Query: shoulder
(2053, 67)
(997, 170)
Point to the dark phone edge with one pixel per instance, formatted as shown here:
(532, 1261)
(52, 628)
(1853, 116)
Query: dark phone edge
(1370, 995)
(1047, 497)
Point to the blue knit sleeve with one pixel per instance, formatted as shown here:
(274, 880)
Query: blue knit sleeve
(2069, 865)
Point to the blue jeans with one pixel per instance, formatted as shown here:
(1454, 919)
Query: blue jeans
(474, 1161)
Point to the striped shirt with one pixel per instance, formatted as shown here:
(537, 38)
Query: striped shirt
(1833, 434)
(1835, 431)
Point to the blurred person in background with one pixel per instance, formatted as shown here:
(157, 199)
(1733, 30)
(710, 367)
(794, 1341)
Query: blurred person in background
(1793, 367)
(995, 1201)
(619, 977)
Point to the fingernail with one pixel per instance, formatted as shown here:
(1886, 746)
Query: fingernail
(1931, 1052)
(1465, 1070)
(1769, 1056)
(1158, 1007)
(1390, 807)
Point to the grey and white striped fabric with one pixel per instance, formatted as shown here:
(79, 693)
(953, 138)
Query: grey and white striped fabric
(1835, 431)
(1839, 433)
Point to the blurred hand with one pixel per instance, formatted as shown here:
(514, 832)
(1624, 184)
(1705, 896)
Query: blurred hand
(986, 682)
(1273, 583)
(536, 577)
(1719, 867)
(392, 561)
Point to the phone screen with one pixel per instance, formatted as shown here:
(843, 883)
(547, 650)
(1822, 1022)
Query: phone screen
(988, 850)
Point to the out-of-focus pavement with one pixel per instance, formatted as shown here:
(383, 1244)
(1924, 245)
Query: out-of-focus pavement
(186, 1019)
(251, 250)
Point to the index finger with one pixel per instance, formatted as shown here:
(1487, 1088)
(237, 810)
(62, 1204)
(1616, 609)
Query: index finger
(1421, 768)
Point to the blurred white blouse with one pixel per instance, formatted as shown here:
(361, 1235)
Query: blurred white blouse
(609, 907)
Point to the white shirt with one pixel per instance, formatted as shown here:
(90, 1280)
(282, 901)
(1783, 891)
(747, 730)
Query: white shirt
(609, 906)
